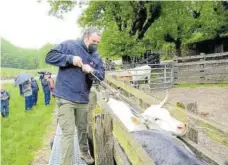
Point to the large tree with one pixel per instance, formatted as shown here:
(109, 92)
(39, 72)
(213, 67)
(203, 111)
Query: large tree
(130, 27)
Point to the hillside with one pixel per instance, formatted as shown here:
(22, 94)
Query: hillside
(16, 57)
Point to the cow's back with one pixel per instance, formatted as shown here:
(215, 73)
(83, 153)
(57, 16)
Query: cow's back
(165, 149)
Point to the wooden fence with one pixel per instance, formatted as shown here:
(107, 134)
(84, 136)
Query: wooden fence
(203, 68)
(197, 125)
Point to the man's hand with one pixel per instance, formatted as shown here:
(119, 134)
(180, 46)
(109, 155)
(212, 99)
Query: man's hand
(87, 68)
(77, 61)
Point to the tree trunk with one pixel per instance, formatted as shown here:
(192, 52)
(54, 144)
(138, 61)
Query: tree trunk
(178, 47)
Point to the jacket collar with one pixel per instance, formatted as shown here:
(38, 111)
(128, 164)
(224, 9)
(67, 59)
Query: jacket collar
(84, 46)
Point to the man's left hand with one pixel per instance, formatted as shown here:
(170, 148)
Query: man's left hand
(87, 68)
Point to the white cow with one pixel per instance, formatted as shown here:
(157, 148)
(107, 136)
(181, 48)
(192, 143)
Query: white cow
(155, 116)
(123, 112)
(140, 73)
(136, 74)
(160, 146)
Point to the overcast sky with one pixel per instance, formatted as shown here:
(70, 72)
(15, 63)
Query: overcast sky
(26, 23)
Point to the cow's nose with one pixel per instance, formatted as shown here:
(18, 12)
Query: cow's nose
(181, 126)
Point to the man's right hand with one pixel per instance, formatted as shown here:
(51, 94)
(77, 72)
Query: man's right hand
(77, 61)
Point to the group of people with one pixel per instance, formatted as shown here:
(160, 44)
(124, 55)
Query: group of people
(79, 66)
(29, 89)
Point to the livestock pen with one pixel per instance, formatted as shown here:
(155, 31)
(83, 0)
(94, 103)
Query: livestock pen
(111, 143)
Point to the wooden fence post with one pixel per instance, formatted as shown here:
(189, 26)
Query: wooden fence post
(175, 70)
(202, 68)
(102, 136)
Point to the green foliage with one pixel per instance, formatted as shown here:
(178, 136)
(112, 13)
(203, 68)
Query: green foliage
(164, 25)
(22, 132)
(15, 57)
(118, 43)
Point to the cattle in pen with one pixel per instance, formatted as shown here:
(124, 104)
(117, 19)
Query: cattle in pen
(134, 75)
(160, 140)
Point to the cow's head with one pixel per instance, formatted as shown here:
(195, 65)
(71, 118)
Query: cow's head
(161, 117)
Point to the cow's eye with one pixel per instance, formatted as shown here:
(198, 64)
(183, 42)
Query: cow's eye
(156, 119)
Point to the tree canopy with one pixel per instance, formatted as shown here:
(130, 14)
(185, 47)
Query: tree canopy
(131, 27)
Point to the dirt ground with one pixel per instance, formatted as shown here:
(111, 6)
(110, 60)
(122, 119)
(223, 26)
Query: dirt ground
(213, 100)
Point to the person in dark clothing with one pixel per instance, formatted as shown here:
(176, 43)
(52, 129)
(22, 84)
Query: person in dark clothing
(5, 97)
(77, 60)
(27, 92)
(46, 89)
(35, 89)
(20, 89)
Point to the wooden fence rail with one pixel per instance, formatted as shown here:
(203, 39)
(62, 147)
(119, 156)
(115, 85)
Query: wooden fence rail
(204, 68)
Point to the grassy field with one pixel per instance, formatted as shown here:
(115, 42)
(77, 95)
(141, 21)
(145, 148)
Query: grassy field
(13, 72)
(23, 132)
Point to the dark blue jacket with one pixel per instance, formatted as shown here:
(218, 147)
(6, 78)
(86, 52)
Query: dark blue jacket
(45, 85)
(35, 87)
(72, 83)
(4, 98)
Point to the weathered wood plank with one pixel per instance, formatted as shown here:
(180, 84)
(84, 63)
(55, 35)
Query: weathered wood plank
(102, 134)
(202, 56)
(119, 155)
(203, 62)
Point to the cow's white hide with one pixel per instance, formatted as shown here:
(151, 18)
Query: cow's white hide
(140, 73)
(155, 115)
(123, 112)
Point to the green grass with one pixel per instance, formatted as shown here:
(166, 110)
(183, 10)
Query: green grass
(199, 85)
(13, 72)
(22, 134)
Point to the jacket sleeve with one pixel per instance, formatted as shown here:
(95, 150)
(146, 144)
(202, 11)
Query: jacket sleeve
(60, 55)
(99, 71)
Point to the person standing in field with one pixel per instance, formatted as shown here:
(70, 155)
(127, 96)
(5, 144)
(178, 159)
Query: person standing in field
(78, 61)
(27, 92)
(5, 97)
(35, 89)
(46, 89)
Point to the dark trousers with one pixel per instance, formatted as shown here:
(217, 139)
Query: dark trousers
(28, 102)
(5, 110)
(34, 97)
(47, 96)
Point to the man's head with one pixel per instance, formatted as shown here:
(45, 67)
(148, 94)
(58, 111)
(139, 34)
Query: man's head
(91, 38)
(47, 75)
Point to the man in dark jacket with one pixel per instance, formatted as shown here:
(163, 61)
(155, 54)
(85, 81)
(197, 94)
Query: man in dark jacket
(35, 89)
(5, 97)
(77, 61)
